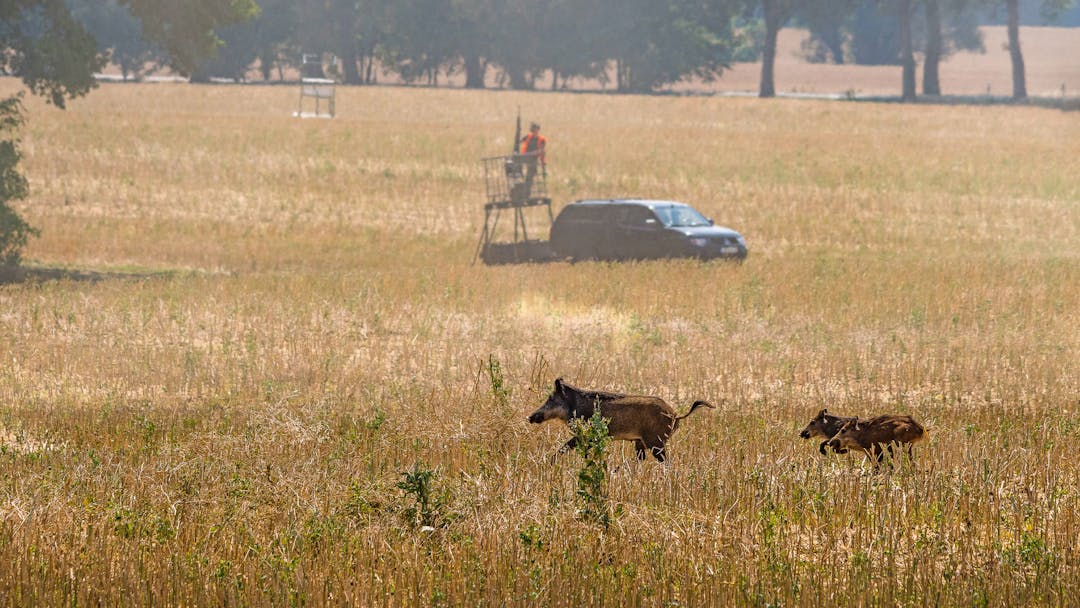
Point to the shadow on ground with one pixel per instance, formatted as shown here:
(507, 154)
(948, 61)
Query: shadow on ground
(40, 274)
(1065, 104)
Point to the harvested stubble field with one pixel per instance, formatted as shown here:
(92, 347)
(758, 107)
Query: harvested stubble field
(288, 385)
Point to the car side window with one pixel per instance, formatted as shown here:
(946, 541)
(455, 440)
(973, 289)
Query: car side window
(578, 214)
(639, 217)
(570, 214)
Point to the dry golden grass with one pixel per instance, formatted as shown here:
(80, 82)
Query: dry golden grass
(301, 325)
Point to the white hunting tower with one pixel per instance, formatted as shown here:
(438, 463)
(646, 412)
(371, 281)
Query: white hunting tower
(315, 86)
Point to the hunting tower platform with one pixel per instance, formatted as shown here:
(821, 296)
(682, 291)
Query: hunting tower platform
(515, 184)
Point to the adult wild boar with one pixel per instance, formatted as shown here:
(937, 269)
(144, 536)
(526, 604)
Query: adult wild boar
(647, 421)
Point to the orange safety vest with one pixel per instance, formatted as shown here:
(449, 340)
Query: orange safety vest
(534, 143)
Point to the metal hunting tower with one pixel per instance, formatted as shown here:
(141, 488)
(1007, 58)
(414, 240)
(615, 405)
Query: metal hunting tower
(315, 85)
(514, 183)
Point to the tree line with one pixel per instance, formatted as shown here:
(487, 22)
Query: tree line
(631, 46)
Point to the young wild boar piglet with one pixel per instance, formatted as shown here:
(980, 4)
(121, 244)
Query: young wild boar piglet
(647, 421)
(876, 435)
(825, 425)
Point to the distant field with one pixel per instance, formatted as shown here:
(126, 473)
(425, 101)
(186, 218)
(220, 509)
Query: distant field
(284, 325)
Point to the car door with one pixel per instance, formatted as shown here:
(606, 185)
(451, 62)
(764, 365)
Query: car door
(640, 233)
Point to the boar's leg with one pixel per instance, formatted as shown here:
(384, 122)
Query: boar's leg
(639, 449)
(821, 448)
(656, 446)
(879, 453)
(568, 446)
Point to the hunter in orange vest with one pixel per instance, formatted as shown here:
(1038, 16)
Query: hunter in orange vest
(534, 143)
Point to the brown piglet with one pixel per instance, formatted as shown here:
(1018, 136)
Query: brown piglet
(875, 436)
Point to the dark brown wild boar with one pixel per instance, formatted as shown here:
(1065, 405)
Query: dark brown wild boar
(647, 421)
(873, 437)
(825, 425)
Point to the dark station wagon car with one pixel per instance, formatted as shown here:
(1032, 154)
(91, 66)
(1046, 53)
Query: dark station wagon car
(626, 229)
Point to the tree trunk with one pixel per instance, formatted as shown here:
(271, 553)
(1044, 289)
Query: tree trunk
(907, 57)
(774, 20)
(349, 70)
(266, 65)
(474, 72)
(200, 75)
(834, 41)
(931, 79)
(519, 81)
(369, 71)
(1019, 80)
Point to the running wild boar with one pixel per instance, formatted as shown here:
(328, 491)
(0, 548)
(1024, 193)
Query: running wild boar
(824, 425)
(647, 421)
(873, 437)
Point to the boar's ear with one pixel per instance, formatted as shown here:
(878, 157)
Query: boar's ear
(820, 414)
(558, 385)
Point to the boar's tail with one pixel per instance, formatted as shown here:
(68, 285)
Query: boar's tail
(696, 405)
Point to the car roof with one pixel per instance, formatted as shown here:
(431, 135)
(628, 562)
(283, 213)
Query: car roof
(641, 202)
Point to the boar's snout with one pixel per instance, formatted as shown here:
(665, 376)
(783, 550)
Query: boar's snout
(536, 417)
(805, 434)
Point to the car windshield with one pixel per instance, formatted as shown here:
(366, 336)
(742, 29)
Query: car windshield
(680, 216)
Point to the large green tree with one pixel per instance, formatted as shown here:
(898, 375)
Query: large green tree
(951, 25)
(776, 13)
(118, 34)
(42, 43)
(14, 231)
(904, 10)
(889, 32)
(422, 39)
(474, 21)
(657, 43)
(1050, 10)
